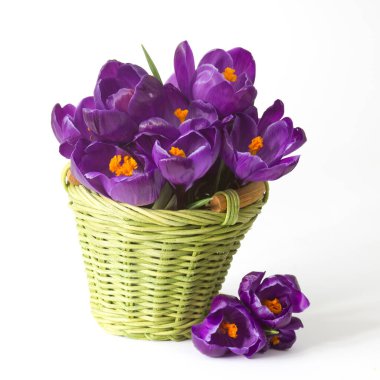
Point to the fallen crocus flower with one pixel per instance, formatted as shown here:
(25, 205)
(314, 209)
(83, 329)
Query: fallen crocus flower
(228, 328)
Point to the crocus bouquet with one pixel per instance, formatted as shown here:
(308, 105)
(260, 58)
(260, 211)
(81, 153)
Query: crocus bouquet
(145, 143)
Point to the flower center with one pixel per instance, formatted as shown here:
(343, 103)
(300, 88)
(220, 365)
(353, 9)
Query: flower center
(273, 305)
(229, 328)
(174, 151)
(275, 340)
(229, 74)
(181, 114)
(256, 144)
(126, 168)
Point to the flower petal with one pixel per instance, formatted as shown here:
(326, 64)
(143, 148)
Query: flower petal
(200, 109)
(297, 140)
(184, 67)
(285, 166)
(218, 58)
(276, 139)
(243, 62)
(248, 165)
(148, 100)
(272, 114)
(110, 126)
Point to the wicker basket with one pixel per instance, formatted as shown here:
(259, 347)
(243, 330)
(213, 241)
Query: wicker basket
(152, 273)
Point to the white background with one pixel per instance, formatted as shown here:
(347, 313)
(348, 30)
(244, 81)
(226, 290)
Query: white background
(321, 58)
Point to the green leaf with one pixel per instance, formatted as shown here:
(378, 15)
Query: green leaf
(151, 64)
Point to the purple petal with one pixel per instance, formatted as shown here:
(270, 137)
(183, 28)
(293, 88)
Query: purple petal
(247, 166)
(90, 158)
(272, 114)
(287, 339)
(244, 129)
(152, 130)
(200, 109)
(294, 324)
(285, 166)
(103, 90)
(140, 189)
(109, 69)
(207, 348)
(88, 103)
(276, 138)
(148, 100)
(297, 140)
(207, 76)
(112, 126)
(193, 125)
(252, 112)
(174, 99)
(243, 62)
(249, 285)
(120, 100)
(184, 67)
(129, 75)
(57, 117)
(177, 170)
(218, 58)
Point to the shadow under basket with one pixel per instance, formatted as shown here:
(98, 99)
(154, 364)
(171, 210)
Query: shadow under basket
(153, 273)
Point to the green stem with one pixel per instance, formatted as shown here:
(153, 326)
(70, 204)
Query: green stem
(181, 195)
(218, 176)
(271, 332)
(164, 198)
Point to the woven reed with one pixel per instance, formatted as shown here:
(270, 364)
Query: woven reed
(152, 273)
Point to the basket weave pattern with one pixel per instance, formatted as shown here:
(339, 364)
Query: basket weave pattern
(152, 273)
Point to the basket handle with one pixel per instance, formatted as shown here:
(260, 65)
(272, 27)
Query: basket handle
(232, 201)
(248, 194)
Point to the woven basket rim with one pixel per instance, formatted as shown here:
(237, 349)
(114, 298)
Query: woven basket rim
(215, 217)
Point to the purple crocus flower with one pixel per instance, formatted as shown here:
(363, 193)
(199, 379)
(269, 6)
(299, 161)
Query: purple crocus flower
(124, 96)
(62, 122)
(228, 328)
(178, 108)
(111, 171)
(223, 78)
(285, 338)
(190, 156)
(273, 300)
(255, 150)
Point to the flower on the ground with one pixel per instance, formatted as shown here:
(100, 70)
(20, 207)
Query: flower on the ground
(228, 328)
(273, 300)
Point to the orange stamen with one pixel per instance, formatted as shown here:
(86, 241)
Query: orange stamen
(275, 340)
(229, 328)
(229, 74)
(174, 151)
(256, 144)
(273, 305)
(181, 114)
(126, 168)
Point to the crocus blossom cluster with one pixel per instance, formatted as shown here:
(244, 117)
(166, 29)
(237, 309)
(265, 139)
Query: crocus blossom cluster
(134, 133)
(260, 320)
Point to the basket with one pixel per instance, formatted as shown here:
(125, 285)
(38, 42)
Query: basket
(153, 273)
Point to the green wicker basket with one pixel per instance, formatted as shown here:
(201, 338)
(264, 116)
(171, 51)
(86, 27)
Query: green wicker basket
(152, 273)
